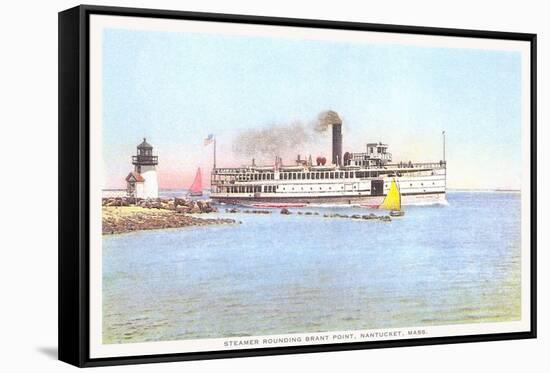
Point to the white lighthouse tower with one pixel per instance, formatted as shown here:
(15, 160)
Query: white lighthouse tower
(143, 182)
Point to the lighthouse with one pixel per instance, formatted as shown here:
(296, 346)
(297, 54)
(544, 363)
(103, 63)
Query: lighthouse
(142, 182)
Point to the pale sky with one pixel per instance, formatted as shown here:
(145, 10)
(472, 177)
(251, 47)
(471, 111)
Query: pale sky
(176, 88)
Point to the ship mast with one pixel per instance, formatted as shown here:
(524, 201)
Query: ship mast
(214, 153)
(444, 160)
(443, 133)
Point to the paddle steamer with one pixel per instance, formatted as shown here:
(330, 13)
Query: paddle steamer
(356, 178)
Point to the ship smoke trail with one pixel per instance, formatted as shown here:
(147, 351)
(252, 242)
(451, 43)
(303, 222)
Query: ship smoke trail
(326, 119)
(273, 140)
(279, 139)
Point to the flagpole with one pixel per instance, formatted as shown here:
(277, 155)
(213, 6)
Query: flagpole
(444, 162)
(214, 153)
(443, 146)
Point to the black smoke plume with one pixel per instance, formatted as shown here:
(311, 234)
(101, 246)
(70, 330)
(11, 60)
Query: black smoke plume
(279, 139)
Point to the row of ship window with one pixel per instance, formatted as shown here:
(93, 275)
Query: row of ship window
(267, 189)
(273, 188)
(262, 176)
(321, 175)
(306, 175)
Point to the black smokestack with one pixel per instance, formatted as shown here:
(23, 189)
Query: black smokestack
(337, 143)
(331, 118)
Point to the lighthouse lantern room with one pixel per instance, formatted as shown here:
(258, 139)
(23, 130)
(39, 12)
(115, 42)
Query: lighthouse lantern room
(142, 182)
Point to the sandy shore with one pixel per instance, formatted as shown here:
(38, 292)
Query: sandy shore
(123, 219)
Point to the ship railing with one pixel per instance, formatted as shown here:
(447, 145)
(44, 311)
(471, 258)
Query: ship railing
(400, 165)
(404, 165)
(241, 170)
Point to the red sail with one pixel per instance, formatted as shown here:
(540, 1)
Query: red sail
(196, 187)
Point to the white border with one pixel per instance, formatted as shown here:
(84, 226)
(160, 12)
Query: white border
(99, 22)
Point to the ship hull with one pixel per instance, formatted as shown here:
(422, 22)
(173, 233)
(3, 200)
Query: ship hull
(366, 201)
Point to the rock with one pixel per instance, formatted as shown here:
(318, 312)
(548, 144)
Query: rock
(285, 211)
(182, 209)
(207, 207)
(260, 212)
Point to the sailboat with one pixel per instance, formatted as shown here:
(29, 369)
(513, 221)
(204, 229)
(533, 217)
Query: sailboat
(196, 188)
(392, 201)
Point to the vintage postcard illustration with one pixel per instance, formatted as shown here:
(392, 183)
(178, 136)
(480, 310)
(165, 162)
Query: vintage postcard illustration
(264, 186)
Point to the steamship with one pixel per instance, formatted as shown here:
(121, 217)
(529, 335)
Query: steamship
(356, 178)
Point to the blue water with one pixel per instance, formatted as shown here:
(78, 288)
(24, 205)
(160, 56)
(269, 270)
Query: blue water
(277, 274)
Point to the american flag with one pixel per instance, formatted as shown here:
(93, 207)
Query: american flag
(209, 139)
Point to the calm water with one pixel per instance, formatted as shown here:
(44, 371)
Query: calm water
(277, 274)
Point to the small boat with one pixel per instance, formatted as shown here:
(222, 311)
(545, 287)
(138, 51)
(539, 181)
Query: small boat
(392, 201)
(196, 188)
(396, 214)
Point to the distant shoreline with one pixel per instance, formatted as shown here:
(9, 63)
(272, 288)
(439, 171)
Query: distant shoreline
(459, 190)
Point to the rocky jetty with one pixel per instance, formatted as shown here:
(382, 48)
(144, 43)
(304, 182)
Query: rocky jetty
(257, 212)
(123, 219)
(236, 210)
(180, 205)
(370, 216)
(122, 214)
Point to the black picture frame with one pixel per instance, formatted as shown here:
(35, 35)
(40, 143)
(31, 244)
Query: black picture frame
(74, 163)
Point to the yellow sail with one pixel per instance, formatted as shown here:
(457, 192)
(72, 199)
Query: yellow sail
(393, 198)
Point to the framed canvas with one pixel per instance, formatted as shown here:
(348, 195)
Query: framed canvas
(234, 186)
